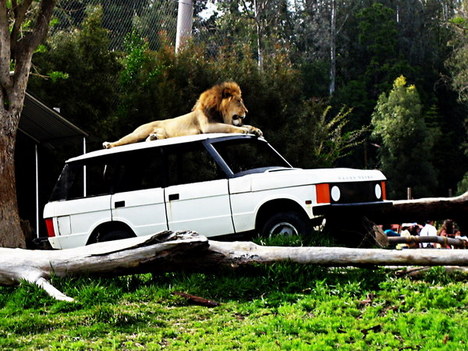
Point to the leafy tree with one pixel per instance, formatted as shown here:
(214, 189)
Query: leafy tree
(374, 60)
(458, 62)
(118, 16)
(23, 26)
(322, 138)
(406, 142)
(88, 95)
(157, 23)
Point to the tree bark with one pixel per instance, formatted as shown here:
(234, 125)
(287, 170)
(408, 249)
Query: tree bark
(9, 218)
(188, 251)
(16, 50)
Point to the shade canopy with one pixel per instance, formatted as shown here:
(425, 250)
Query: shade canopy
(43, 124)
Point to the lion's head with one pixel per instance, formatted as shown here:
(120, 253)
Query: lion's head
(223, 103)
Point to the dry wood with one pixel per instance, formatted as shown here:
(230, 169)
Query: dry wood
(421, 210)
(197, 300)
(188, 251)
(118, 257)
(459, 243)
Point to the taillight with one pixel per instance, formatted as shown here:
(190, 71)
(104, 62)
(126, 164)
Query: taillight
(50, 227)
(323, 193)
(384, 190)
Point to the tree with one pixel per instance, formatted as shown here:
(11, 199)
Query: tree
(458, 62)
(23, 26)
(88, 95)
(405, 139)
(322, 139)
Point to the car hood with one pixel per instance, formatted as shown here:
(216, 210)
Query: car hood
(290, 177)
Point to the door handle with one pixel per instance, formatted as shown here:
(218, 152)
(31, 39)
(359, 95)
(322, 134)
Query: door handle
(173, 197)
(119, 204)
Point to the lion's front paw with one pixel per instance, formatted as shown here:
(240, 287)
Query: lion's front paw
(257, 132)
(106, 145)
(152, 136)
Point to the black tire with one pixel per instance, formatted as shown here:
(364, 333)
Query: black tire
(350, 230)
(114, 235)
(286, 223)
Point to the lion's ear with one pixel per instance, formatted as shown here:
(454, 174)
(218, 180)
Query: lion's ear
(227, 93)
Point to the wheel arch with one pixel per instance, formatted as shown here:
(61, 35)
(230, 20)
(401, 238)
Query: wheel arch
(107, 227)
(275, 206)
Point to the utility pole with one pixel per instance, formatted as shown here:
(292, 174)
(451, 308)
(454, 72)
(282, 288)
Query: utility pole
(184, 23)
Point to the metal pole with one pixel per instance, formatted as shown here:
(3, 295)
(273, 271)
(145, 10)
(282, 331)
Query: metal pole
(84, 169)
(184, 22)
(36, 154)
(409, 193)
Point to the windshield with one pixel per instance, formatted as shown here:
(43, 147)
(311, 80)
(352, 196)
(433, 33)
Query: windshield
(249, 155)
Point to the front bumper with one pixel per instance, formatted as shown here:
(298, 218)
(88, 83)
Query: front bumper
(357, 208)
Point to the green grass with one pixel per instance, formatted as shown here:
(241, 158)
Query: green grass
(280, 307)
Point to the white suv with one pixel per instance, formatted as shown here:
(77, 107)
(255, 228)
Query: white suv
(215, 184)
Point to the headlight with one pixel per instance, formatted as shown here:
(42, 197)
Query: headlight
(378, 191)
(335, 193)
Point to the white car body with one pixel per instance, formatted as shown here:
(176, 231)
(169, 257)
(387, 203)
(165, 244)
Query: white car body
(224, 204)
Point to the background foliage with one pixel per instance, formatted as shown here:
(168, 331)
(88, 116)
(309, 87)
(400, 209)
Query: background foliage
(311, 73)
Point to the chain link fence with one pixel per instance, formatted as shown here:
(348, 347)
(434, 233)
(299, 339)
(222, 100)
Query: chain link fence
(154, 20)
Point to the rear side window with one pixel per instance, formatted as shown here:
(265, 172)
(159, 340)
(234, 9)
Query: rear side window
(80, 179)
(128, 171)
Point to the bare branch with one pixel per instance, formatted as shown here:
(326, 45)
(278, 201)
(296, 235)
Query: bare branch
(25, 46)
(20, 14)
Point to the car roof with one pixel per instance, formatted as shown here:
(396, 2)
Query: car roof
(158, 143)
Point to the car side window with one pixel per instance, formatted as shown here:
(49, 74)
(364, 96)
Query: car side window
(137, 170)
(190, 163)
(96, 182)
(71, 184)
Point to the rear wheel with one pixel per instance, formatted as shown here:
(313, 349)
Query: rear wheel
(116, 234)
(286, 223)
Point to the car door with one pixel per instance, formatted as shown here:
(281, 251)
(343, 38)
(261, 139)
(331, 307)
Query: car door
(138, 194)
(197, 195)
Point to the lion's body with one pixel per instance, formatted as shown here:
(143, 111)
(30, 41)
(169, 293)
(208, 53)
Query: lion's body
(218, 110)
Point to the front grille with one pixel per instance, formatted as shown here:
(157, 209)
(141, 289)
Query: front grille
(356, 192)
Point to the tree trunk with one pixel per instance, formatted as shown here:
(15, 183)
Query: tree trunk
(11, 234)
(331, 89)
(16, 49)
(188, 251)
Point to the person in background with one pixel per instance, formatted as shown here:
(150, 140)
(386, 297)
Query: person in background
(415, 229)
(448, 230)
(389, 230)
(428, 230)
(407, 230)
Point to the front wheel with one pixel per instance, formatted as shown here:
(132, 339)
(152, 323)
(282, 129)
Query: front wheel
(286, 223)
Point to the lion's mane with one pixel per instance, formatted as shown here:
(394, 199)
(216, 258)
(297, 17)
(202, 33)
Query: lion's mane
(210, 101)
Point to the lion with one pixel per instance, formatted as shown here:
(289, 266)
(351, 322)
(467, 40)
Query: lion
(219, 109)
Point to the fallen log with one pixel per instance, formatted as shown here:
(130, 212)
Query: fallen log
(188, 251)
(115, 258)
(420, 210)
(458, 243)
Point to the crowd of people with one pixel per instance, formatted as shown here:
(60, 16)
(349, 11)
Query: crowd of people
(447, 229)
